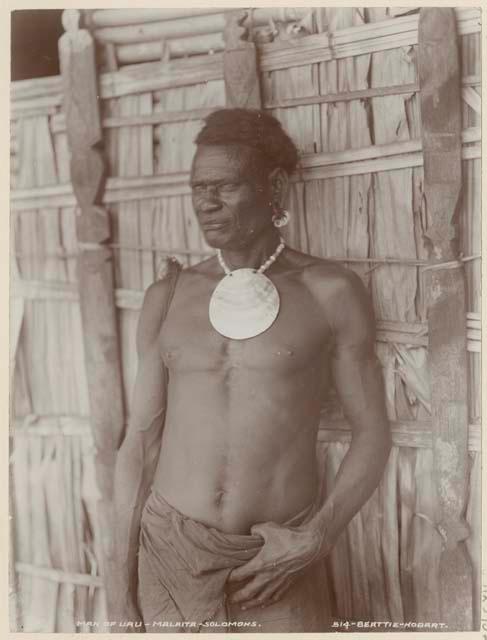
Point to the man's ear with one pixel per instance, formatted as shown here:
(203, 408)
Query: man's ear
(279, 185)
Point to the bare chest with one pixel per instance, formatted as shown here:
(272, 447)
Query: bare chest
(296, 338)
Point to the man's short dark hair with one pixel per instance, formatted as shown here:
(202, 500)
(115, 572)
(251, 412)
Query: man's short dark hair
(251, 128)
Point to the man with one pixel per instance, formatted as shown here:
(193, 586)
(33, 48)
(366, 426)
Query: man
(235, 355)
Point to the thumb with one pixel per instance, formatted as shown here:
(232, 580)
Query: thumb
(247, 570)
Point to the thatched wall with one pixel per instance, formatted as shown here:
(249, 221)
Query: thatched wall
(352, 201)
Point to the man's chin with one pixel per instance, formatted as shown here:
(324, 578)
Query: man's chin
(216, 239)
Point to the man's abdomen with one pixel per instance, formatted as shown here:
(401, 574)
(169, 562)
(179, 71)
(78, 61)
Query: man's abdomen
(239, 449)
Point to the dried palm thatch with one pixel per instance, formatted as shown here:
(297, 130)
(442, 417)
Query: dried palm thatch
(385, 565)
(52, 381)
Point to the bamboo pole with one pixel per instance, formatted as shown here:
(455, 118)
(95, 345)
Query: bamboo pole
(302, 124)
(392, 223)
(40, 324)
(131, 17)
(23, 530)
(59, 502)
(41, 612)
(344, 96)
(344, 130)
(191, 27)
(357, 40)
(56, 575)
(129, 231)
(95, 267)
(33, 88)
(405, 433)
(357, 552)
(125, 17)
(91, 494)
(32, 105)
(372, 514)
(159, 31)
(58, 122)
(150, 77)
(387, 157)
(426, 542)
(474, 542)
(441, 119)
(176, 149)
(390, 536)
(338, 559)
(188, 46)
(146, 209)
(406, 491)
(471, 238)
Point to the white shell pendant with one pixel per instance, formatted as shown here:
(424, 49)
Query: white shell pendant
(244, 304)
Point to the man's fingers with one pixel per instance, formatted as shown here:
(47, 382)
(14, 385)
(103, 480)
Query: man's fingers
(250, 590)
(268, 594)
(244, 572)
(281, 590)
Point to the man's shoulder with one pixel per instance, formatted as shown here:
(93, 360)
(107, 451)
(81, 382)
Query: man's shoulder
(343, 299)
(328, 278)
(157, 292)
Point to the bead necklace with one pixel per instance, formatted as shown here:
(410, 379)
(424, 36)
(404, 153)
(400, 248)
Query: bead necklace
(245, 302)
(263, 267)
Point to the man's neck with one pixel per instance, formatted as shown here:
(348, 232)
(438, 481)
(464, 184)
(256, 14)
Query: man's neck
(252, 256)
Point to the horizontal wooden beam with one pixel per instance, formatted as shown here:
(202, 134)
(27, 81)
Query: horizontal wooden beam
(405, 433)
(149, 32)
(57, 575)
(353, 41)
(138, 17)
(414, 334)
(61, 253)
(40, 105)
(316, 171)
(156, 187)
(344, 96)
(52, 425)
(122, 17)
(58, 123)
(314, 167)
(198, 45)
(309, 49)
(132, 189)
(117, 190)
(50, 103)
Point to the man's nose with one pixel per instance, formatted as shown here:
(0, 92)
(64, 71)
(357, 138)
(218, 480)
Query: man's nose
(209, 202)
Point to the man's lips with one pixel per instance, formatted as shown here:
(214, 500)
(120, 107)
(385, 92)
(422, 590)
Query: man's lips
(213, 226)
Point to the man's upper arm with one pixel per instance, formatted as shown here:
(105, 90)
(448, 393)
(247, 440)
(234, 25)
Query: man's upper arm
(148, 400)
(356, 370)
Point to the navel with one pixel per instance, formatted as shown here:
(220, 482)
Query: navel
(219, 497)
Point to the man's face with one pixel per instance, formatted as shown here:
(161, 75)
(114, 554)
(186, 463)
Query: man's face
(230, 195)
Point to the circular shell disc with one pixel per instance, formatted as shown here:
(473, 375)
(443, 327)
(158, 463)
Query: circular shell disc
(244, 304)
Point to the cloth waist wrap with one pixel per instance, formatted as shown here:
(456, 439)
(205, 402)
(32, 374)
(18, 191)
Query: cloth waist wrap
(193, 561)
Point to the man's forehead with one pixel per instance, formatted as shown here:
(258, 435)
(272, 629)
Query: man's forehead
(235, 159)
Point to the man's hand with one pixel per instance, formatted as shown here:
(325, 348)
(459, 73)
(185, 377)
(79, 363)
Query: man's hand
(285, 553)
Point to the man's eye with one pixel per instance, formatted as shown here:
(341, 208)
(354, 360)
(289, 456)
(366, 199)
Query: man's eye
(227, 187)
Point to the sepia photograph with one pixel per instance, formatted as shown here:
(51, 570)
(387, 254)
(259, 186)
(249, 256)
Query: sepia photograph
(245, 320)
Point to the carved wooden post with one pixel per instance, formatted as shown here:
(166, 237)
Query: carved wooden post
(439, 75)
(95, 268)
(240, 68)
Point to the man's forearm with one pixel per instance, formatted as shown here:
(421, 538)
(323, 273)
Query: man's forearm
(134, 472)
(358, 476)
(129, 497)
